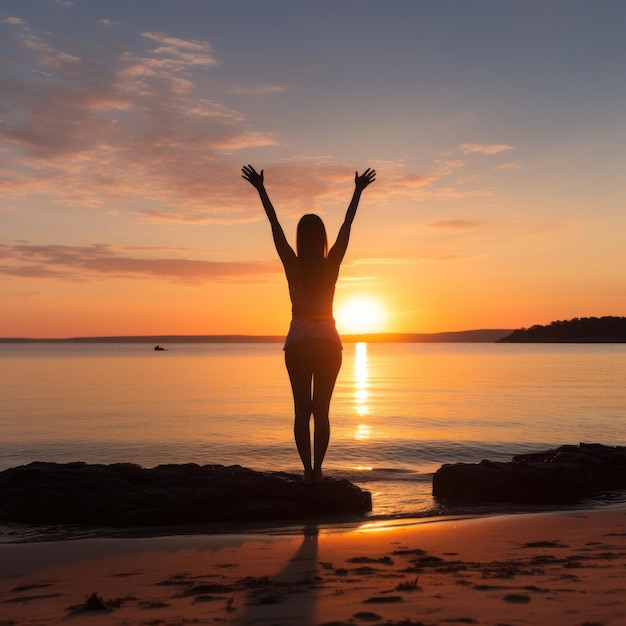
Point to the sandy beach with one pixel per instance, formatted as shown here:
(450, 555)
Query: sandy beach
(547, 568)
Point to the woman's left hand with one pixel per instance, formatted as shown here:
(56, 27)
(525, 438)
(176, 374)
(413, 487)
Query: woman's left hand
(362, 181)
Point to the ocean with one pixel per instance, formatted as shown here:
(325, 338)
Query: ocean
(399, 410)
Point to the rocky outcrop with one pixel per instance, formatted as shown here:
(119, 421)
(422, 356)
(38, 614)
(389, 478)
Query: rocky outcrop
(562, 476)
(125, 495)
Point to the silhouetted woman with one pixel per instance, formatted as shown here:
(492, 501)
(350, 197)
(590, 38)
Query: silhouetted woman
(313, 347)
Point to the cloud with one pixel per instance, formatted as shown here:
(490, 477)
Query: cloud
(180, 53)
(61, 4)
(453, 240)
(305, 184)
(459, 224)
(15, 21)
(97, 127)
(26, 294)
(139, 131)
(395, 181)
(417, 259)
(102, 261)
(521, 227)
(511, 165)
(260, 90)
(473, 148)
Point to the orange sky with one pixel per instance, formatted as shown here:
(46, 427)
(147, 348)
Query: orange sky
(498, 145)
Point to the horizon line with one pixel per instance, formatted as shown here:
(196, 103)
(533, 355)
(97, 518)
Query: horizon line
(477, 335)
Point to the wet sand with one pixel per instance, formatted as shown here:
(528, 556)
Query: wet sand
(564, 568)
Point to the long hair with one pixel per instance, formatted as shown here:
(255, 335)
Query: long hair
(312, 249)
(311, 239)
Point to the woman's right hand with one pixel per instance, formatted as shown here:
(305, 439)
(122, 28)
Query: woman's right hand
(252, 176)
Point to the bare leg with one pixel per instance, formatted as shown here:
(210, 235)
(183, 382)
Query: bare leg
(313, 365)
(301, 377)
(328, 363)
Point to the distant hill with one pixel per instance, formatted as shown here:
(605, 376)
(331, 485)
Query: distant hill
(577, 330)
(487, 335)
(483, 335)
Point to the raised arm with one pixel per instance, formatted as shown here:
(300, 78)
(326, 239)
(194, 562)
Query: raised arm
(285, 251)
(338, 251)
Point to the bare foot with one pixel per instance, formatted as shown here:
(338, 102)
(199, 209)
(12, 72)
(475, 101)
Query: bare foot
(317, 476)
(308, 478)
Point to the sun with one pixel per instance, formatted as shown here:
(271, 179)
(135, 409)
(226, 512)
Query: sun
(360, 314)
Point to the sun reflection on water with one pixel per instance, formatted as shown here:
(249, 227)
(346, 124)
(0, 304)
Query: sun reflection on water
(363, 431)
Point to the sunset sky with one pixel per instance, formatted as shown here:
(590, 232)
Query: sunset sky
(497, 129)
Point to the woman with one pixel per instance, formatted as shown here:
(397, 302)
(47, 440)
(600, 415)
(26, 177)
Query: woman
(313, 347)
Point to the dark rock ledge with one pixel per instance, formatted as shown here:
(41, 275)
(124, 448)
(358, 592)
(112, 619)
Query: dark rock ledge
(124, 495)
(565, 475)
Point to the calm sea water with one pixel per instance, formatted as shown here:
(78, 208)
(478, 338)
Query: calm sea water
(399, 410)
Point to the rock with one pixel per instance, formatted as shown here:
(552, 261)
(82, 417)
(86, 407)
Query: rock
(124, 495)
(561, 476)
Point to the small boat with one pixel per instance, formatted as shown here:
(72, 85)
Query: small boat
(159, 348)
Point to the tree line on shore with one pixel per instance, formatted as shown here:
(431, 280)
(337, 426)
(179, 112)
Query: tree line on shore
(608, 329)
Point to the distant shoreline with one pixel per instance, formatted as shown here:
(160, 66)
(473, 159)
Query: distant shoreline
(463, 336)
(607, 329)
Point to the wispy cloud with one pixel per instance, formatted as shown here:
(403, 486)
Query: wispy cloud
(261, 90)
(453, 240)
(437, 184)
(135, 130)
(61, 4)
(180, 53)
(26, 294)
(90, 126)
(459, 224)
(520, 227)
(511, 165)
(101, 261)
(416, 259)
(469, 148)
(15, 21)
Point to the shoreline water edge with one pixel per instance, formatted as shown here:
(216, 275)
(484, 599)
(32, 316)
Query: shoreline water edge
(42, 501)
